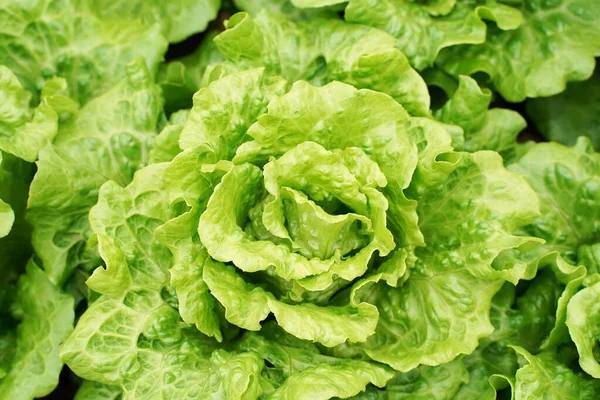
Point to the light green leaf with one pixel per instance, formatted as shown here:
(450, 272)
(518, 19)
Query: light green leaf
(43, 39)
(247, 305)
(573, 113)
(208, 131)
(423, 383)
(545, 377)
(315, 3)
(582, 320)
(442, 310)
(555, 44)
(145, 348)
(143, 345)
(47, 316)
(422, 29)
(124, 220)
(296, 369)
(90, 390)
(108, 139)
(311, 169)
(166, 145)
(326, 381)
(533, 320)
(567, 181)
(321, 48)
(196, 305)
(24, 130)
(178, 19)
(494, 129)
(224, 110)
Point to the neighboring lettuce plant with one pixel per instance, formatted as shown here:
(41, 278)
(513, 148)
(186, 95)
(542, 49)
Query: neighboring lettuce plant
(356, 225)
(573, 113)
(529, 48)
(88, 42)
(316, 46)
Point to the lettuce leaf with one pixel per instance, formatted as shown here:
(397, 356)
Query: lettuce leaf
(44, 39)
(109, 139)
(573, 113)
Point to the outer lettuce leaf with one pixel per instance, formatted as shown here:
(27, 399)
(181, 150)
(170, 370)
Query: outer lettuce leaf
(484, 129)
(556, 43)
(23, 130)
(533, 320)
(426, 383)
(546, 377)
(143, 345)
(442, 310)
(42, 39)
(573, 113)
(321, 49)
(582, 320)
(179, 19)
(181, 78)
(247, 305)
(295, 368)
(422, 29)
(46, 319)
(567, 181)
(108, 139)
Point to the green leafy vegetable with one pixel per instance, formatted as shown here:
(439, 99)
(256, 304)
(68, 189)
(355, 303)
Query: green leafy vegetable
(299, 199)
(573, 113)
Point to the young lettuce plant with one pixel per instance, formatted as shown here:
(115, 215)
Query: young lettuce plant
(354, 224)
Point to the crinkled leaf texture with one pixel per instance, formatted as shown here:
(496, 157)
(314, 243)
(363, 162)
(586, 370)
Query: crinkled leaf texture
(178, 19)
(567, 181)
(46, 318)
(330, 207)
(23, 130)
(145, 348)
(422, 29)
(467, 214)
(544, 376)
(90, 390)
(109, 139)
(306, 182)
(555, 43)
(483, 129)
(43, 39)
(534, 319)
(320, 48)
